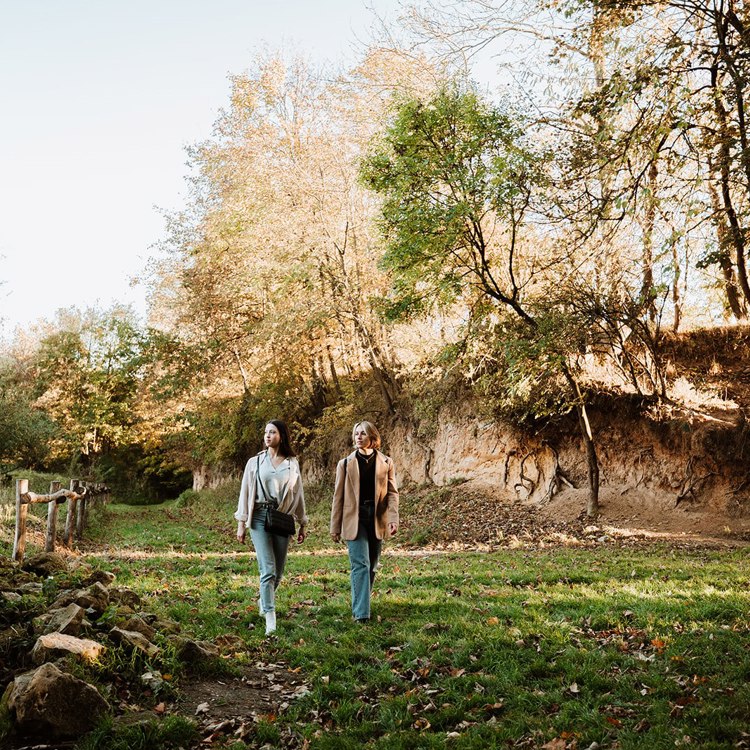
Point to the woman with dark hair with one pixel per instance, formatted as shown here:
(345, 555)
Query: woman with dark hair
(364, 511)
(271, 479)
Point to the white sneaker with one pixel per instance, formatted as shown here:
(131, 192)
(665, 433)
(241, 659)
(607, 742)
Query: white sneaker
(270, 622)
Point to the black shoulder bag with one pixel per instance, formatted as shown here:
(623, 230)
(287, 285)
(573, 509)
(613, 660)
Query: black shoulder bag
(278, 523)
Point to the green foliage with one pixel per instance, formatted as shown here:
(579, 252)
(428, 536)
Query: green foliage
(142, 473)
(187, 498)
(39, 481)
(458, 179)
(25, 433)
(87, 379)
(170, 733)
(521, 376)
(80, 404)
(328, 438)
(445, 168)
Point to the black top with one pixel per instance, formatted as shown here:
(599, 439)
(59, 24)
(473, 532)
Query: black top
(366, 479)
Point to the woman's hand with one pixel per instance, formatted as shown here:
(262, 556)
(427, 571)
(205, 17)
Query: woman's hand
(336, 537)
(392, 528)
(301, 536)
(241, 532)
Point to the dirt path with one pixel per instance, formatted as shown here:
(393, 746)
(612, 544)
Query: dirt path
(232, 707)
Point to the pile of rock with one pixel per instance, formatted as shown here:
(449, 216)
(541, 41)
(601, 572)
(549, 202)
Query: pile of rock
(50, 702)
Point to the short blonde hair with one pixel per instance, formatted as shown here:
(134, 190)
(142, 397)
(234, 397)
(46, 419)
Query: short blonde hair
(371, 431)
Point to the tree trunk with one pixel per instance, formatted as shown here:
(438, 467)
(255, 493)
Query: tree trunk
(607, 262)
(725, 137)
(332, 368)
(241, 368)
(736, 304)
(647, 283)
(676, 299)
(592, 460)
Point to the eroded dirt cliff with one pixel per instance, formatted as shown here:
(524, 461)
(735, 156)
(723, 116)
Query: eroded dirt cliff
(682, 464)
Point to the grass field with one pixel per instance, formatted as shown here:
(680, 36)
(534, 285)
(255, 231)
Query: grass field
(610, 647)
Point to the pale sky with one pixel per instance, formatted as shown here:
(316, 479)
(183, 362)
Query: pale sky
(99, 99)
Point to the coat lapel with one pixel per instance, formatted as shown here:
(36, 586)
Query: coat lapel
(381, 477)
(352, 474)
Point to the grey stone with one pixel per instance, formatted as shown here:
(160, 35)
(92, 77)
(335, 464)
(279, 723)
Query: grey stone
(136, 624)
(95, 599)
(100, 576)
(56, 645)
(31, 588)
(45, 564)
(125, 596)
(68, 620)
(194, 652)
(52, 704)
(169, 627)
(133, 640)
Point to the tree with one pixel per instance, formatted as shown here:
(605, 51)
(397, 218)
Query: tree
(652, 98)
(271, 273)
(25, 431)
(86, 380)
(461, 186)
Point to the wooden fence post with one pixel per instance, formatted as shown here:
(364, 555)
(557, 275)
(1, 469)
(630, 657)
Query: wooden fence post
(49, 545)
(70, 518)
(22, 509)
(81, 517)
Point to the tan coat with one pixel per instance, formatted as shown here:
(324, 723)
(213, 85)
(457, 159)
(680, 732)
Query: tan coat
(345, 508)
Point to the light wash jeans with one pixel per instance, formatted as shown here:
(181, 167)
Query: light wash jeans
(270, 551)
(364, 556)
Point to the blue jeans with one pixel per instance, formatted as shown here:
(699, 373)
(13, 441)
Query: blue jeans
(270, 551)
(364, 555)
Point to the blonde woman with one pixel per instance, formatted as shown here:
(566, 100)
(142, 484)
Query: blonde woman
(272, 478)
(364, 511)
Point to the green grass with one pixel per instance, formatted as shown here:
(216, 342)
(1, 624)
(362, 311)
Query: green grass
(625, 647)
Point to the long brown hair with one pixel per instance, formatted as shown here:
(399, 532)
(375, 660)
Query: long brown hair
(285, 447)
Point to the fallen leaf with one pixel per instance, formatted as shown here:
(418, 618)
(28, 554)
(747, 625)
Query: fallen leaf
(492, 708)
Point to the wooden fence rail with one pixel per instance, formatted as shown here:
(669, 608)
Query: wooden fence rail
(77, 498)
